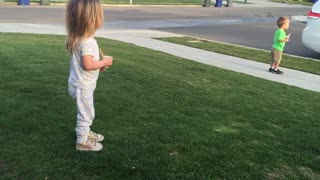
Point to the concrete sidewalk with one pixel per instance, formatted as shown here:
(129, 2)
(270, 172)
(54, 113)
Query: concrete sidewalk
(144, 38)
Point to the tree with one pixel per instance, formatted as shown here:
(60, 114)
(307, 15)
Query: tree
(206, 3)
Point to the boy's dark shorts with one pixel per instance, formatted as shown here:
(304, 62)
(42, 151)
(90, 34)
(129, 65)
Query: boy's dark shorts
(276, 56)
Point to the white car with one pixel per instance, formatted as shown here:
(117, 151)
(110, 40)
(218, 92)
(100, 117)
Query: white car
(311, 34)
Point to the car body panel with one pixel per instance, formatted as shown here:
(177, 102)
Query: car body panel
(311, 34)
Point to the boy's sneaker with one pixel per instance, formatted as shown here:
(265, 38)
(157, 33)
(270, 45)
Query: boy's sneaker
(271, 70)
(90, 145)
(96, 137)
(278, 71)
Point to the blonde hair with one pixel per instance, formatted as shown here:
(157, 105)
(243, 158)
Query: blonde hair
(82, 20)
(281, 21)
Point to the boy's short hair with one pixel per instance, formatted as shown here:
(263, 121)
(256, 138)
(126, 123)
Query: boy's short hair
(281, 21)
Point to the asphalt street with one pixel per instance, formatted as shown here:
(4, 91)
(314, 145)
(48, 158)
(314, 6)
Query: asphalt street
(256, 35)
(56, 14)
(252, 27)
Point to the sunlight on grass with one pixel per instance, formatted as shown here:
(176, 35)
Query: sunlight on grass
(226, 130)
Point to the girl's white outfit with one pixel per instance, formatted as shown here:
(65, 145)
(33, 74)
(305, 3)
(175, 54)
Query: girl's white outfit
(82, 84)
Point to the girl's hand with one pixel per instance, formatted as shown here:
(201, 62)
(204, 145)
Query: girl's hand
(108, 60)
(103, 69)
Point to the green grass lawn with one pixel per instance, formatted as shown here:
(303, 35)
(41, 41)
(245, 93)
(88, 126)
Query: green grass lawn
(163, 117)
(302, 64)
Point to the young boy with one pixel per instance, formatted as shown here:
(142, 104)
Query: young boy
(280, 39)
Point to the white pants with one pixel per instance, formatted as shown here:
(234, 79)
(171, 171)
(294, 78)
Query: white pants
(85, 111)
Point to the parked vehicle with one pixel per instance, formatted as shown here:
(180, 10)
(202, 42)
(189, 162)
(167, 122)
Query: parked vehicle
(311, 34)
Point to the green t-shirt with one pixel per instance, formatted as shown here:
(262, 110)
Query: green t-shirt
(280, 34)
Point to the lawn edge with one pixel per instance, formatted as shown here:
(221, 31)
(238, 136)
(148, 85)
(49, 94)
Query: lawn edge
(237, 45)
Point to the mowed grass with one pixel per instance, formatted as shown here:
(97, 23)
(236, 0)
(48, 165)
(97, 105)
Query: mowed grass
(293, 62)
(163, 117)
